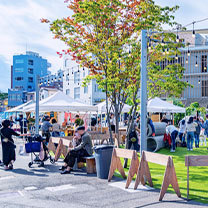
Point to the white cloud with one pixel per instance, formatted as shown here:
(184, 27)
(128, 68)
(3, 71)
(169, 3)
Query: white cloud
(20, 27)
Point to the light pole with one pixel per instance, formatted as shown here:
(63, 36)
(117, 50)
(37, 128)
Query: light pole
(143, 130)
(37, 106)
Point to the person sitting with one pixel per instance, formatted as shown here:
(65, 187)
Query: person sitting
(173, 131)
(82, 150)
(8, 146)
(149, 121)
(46, 128)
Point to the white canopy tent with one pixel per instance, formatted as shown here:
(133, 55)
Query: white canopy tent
(102, 107)
(19, 108)
(161, 106)
(60, 102)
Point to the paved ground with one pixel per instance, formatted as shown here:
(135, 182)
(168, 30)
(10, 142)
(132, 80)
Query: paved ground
(45, 187)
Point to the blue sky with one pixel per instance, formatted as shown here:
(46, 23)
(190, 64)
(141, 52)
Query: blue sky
(20, 27)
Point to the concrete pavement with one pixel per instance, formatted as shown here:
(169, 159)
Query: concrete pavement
(45, 187)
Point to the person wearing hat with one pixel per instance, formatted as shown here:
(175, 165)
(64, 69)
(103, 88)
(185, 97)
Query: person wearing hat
(8, 146)
(84, 149)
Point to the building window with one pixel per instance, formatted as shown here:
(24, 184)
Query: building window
(67, 62)
(204, 88)
(83, 73)
(76, 92)
(30, 79)
(76, 77)
(204, 63)
(19, 61)
(19, 78)
(96, 89)
(86, 90)
(19, 87)
(68, 91)
(30, 62)
(19, 69)
(13, 97)
(18, 97)
(29, 87)
(30, 70)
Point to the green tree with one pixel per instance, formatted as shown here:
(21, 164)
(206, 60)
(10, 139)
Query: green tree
(104, 36)
(195, 108)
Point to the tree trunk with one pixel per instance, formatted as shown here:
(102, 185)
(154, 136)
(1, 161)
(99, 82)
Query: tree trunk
(117, 115)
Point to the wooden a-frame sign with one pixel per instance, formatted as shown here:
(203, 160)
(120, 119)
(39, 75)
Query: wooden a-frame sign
(169, 176)
(116, 164)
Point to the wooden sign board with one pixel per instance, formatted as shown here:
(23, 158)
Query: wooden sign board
(201, 160)
(116, 164)
(169, 177)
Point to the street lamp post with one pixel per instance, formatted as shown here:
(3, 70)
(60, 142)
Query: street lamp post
(143, 130)
(37, 106)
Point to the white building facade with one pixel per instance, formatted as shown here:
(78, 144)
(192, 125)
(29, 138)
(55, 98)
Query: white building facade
(73, 84)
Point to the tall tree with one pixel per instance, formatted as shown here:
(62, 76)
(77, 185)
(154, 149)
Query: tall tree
(104, 36)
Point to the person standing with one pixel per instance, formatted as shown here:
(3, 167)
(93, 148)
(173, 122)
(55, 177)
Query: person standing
(82, 150)
(112, 123)
(190, 129)
(197, 132)
(8, 146)
(173, 131)
(46, 128)
(55, 128)
(23, 123)
(205, 127)
(182, 130)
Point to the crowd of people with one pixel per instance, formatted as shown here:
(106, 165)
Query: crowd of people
(190, 132)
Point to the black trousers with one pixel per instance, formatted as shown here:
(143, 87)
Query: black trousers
(47, 135)
(72, 155)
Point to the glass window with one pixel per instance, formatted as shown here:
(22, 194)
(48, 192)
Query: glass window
(30, 62)
(30, 79)
(19, 61)
(67, 62)
(30, 70)
(19, 69)
(18, 97)
(85, 89)
(29, 87)
(76, 92)
(68, 91)
(76, 77)
(96, 89)
(204, 63)
(83, 73)
(19, 78)
(204, 88)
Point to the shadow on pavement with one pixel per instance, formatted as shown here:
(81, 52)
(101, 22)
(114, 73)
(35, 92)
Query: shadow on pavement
(181, 201)
(26, 172)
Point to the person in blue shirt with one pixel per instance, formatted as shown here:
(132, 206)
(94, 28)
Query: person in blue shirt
(23, 123)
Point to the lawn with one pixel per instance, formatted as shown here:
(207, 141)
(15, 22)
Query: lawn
(198, 175)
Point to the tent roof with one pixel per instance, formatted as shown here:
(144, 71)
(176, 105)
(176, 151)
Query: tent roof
(160, 106)
(102, 107)
(19, 108)
(60, 102)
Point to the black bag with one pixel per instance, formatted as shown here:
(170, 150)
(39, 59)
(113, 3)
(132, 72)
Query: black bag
(133, 136)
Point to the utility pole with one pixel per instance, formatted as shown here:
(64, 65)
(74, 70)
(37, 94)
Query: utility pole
(37, 106)
(143, 126)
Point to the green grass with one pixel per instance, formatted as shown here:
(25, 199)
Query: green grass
(198, 176)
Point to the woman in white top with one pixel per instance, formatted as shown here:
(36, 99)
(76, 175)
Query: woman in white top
(55, 128)
(190, 129)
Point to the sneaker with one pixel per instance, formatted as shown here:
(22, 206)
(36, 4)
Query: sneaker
(65, 172)
(172, 150)
(62, 168)
(191, 149)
